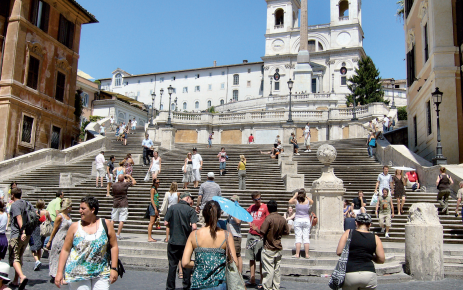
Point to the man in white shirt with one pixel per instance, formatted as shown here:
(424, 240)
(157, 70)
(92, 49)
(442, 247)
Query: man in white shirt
(100, 168)
(111, 125)
(384, 181)
(197, 167)
(307, 136)
(134, 124)
(102, 130)
(385, 124)
(147, 144)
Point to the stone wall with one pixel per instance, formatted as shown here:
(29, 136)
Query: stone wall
(186, 136)
(230, 137)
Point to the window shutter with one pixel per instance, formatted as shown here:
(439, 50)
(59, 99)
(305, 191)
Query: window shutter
(45, 16)
(34, 11)
(70, 35)
(61, 29)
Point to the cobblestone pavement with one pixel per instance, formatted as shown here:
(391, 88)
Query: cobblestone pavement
(135, 280)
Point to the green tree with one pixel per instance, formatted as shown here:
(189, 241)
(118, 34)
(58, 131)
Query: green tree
(367, 82)
(402, 113)
(401, 10)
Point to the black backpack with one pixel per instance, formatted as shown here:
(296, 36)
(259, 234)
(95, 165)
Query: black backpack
(32, 219)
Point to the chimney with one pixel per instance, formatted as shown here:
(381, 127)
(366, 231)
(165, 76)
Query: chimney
(215, 63)
(245, 61)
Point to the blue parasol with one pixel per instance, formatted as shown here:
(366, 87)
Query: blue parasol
(233, 209)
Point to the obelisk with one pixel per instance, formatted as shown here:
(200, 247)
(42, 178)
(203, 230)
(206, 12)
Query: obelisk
(303, 70)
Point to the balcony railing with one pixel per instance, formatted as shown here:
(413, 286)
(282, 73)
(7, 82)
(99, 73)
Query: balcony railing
(343, 18)
(279, 26)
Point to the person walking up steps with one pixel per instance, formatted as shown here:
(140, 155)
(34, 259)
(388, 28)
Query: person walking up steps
(120, 211)
(109, 174)
(100, 168)
(153, 209)
(197, 167)
(223, 160)
(146, 144)
(207, 191)
(443, 183)
(242, 173)
(188, 175)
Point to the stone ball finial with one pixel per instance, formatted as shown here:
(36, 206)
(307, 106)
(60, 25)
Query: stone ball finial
(326, 154)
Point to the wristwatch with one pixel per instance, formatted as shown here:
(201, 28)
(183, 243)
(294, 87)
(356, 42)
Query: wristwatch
(113, 268)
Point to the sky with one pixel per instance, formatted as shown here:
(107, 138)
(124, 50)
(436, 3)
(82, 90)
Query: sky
(151, 36)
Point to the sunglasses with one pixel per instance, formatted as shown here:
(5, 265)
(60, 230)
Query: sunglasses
(257, 199)
(156, 182)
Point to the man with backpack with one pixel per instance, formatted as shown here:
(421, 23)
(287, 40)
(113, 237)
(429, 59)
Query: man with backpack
(22, 225)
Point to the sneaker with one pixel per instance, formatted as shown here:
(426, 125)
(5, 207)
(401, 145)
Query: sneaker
(118, 237)
(306, 151)
(386, 235)
(383, 230)
(297, 154)
(37, 265)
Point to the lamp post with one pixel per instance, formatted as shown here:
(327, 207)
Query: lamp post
(393, 87)
(153, 96)
(160, 98)
(354, 111)
(439, 159)
(270, 87)
(290, 115)
(170, 90)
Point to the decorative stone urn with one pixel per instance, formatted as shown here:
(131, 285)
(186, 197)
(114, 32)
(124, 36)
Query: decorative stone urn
(327, 193)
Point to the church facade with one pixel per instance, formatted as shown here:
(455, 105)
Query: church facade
(335, 49)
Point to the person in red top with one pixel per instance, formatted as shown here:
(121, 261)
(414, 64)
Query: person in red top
(251, 139)
(254, 243)
(413, 181)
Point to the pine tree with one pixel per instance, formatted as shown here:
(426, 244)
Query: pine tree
(367, 82)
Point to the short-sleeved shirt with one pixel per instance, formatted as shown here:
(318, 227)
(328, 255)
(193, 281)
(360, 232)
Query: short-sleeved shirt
(17, 208)
(180, 217)
(273, 228)
(148, 143)
(53, 206)
(384, 204)
(99, 160)
(412, 176)
(386, 121)
(110, 164)
(196, 161)
(384, 181)
(307, 132)
(235, 228)
(251, 139)
(258, 216)
(357, 203)
(112, 120)
(210, 137)
(120, 194)
(208, 190)
(460, 193)
(222, 156)
(134, 123)
(101, 129)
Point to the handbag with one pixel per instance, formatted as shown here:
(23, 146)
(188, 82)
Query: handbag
(232, 275)
(374, 200)
(147, 176)
(339, 274)
(120, 267)
(313, 219)
(46, 228)
(147, 213)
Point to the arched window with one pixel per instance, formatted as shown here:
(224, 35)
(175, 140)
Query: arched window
(162, 107)
(236, 79)
(222, 102)
(196, 105)
(279, 17)
(118, 80)
(320, 46)
(184, 105)
(344, 9)
(209, 103)
(312, 45)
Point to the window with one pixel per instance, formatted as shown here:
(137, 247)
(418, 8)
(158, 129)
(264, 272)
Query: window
(161, 80)
(173, 78)
(65, 31)
(415, 131)
(184, 105)
(60, 86)
(186, 77)
(235, 95)
(222, 86)
(196, 105)
(411, 67)
(279, 18)
(314, 85)
(185, 89)
(397, 86)
(40, 12)
(223, 73)
(84, 97)
(197, 89)
(277, 86)
(196, 76)
(311, 45)
(209, 103)
(320, 47)
(407, 7)
(26, 135)
(428, 117)
(210, 74)
(222, 102)
(138, 81)
(151, 92)
(33, 73)
(344, 9)
(174, 91)
(236, 79)
(172, 107)
(249, 70)
(209, 87)
(151, 80)
(343, 81)
(55, 136)
(249, 84)
(426, 44)
(162, 107)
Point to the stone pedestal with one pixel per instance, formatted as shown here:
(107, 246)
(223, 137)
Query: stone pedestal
(424, 256)
(303, 73)
(69, 179)
(327, 194)
(357, 130)
(288, 150)
(137, 159)
(293, 181)
(167, 138)
(152, 134)
(93, 174)
(288, 167)
(283, 158)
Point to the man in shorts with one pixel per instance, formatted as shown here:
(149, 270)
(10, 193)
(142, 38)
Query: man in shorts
(235, 230)
(385, 209)
(293, 141)
(384, 181)
(100, 168)
(209, 140)
(197, 167)
(109, 174)
(307, 136)
(111, 122)
(120, 210)
(254, 243)
(412, 180)
(134, 125)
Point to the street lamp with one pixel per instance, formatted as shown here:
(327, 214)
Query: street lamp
(160, 98)
(270, 87)
(290, 116)
(153, 96)
(393, 87)
(170, 90)
(354, 94)
(439, 159)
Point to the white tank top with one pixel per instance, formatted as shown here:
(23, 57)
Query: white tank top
(155, 166)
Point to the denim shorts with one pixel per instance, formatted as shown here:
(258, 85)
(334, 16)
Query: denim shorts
(223, 165)
(152, 211)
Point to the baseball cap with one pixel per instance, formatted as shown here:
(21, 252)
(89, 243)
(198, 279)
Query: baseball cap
(185, 194)
(235, 198)
(211, 175)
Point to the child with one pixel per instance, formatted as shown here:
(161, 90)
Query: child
(4, 271)
(117, 134)
(223, 160)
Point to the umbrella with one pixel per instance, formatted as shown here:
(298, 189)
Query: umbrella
(233, 208)
(403, 168)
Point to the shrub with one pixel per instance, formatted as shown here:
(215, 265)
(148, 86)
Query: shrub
(402, 113)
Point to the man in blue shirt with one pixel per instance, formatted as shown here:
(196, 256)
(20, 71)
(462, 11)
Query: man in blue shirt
(147, 144)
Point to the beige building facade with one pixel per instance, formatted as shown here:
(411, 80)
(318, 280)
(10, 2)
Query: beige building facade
(40, 43)
(433, 54)
(88, 91)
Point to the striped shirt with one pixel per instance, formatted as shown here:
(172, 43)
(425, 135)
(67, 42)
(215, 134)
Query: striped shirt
(208, 190)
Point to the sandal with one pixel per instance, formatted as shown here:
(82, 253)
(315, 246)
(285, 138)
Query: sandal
(180, 275)
(295, 256)
(249, 284)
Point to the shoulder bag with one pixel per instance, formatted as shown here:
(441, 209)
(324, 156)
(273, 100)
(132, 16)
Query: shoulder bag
(339, 273)
(232, 275)
(313, 219)
(120, 267)
(46, 228)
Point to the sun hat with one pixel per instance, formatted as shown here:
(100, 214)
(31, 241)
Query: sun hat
(235, 198)
(211, 175)
(4, 271)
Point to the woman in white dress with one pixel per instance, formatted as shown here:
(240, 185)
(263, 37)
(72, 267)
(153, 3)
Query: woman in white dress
(155, 167)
